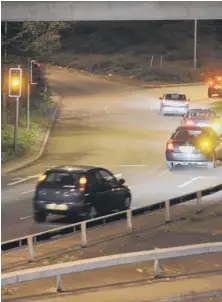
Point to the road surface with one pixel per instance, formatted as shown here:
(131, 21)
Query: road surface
(111, 125)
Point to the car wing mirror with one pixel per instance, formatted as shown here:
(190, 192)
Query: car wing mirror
(121, 181)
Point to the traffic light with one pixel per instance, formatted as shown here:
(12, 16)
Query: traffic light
(34, 72)
(15, 82)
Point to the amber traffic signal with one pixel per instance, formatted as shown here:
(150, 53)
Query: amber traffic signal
(15, 82)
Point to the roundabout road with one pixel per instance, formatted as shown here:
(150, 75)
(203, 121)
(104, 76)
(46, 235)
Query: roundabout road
(111, 125)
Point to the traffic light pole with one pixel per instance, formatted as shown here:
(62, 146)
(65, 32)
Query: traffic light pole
(16, 125)
(28, 98)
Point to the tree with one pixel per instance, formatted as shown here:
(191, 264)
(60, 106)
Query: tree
(42, 38)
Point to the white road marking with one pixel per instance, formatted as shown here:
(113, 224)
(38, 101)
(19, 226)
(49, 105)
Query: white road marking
(24, 179)
(163, 172)
(26, 192)
(118, 175)
(134, 165)
(186, 183)
(17, 178)
(26, 217)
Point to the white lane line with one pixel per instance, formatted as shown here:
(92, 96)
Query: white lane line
(24, 179)
(26, 217)
(119, 175)
(186, 183)
(17, 178)
(26, 192)
(163, 172)
(134, 165)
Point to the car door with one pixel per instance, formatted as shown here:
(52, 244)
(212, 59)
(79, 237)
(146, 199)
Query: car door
(116, 191)
(97, 192)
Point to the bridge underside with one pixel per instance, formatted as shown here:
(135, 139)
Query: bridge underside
(107, 11)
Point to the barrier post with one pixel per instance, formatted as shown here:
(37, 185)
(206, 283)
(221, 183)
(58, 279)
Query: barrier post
(83, 234)
(129, 221)
(59, 285)
(199, 197)
(167, 211)
(30, 248)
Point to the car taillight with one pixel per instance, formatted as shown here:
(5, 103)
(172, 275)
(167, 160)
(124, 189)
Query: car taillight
(170, 146)
(189, 123)
(42, 178)
(82, 183)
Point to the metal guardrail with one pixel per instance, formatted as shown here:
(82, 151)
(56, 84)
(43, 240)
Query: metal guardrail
(58, 270)
(82, 226)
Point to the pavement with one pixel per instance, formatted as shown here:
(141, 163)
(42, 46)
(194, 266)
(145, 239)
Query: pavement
(134, 283)
(112, 125)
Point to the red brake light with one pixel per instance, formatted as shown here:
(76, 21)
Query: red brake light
(189, 123)
(170, 146)
(82, 182)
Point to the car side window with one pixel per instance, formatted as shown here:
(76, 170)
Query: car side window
(107, 176)
(94, 178)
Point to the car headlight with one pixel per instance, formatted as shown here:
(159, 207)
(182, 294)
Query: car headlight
(216, 126)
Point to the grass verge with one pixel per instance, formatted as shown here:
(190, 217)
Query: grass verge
(27, 139)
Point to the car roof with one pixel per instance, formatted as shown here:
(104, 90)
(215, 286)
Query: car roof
(72, 168)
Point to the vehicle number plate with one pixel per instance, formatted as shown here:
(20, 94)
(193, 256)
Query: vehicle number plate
(186, 148)
(58, 207)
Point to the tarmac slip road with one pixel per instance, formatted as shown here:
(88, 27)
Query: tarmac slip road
(109, 125)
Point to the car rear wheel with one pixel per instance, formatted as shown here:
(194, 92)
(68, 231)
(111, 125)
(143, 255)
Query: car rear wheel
(40, 216)
(212, 164)
(169, 165)
(92, 213)
(126, 203)
(161, 112)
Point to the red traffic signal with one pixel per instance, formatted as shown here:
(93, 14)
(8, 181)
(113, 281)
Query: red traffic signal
(15, 82)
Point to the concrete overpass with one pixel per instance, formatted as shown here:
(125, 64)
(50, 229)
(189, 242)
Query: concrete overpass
(106, 11)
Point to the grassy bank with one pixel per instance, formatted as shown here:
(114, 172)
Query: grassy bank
(27, 139)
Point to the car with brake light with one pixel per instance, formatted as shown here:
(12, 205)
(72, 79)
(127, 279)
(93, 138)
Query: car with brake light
(174, 103)
(79, 191)
(215, 87)
(193, 146)
(202, 118)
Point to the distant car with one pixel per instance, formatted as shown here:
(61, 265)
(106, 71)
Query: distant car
(79, 191)
(175, 103)
(202, 118)
(215, 87)
(194, 146)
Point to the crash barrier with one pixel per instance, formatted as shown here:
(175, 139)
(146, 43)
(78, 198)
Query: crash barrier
(58, 270)
(31, 240)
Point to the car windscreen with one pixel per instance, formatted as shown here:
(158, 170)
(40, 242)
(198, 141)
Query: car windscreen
(202, 114)
(61, 179)
(175, 97)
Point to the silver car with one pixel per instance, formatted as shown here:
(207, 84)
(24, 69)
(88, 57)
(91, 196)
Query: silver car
(174, 103)
(202, 118)
(194, 146)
